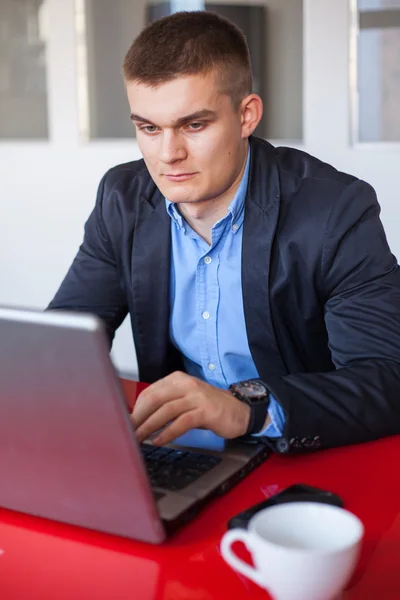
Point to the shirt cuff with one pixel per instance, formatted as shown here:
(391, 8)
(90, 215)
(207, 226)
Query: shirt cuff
(276, 427)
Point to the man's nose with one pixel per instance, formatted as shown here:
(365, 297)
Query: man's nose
(172, 147)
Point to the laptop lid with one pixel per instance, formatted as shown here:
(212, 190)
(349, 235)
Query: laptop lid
(67, 447)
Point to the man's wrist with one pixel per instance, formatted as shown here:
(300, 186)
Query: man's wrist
(244, 417)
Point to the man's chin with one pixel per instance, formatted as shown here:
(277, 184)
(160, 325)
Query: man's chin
(182, 200)
(179, 196)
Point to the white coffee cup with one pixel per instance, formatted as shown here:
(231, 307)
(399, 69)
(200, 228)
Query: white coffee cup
(301, 550)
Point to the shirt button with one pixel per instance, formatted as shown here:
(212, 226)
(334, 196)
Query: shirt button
(207, 260)
(211, 366)
(206, 315)
(235, 227)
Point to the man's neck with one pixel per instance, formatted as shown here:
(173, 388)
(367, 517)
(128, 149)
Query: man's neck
(202, 216)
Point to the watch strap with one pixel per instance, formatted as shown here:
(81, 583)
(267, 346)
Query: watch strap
(258, 415)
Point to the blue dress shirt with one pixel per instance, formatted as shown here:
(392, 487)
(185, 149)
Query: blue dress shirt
(207, 322)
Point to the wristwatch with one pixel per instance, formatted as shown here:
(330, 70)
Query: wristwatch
(256, 395)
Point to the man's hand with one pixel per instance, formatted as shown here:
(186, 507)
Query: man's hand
(187, 403)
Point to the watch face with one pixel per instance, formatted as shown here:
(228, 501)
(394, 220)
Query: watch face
(254, 390)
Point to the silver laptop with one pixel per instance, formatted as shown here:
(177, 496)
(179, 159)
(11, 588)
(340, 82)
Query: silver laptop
(67, 446)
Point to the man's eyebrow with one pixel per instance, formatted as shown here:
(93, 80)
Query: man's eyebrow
(200, 114)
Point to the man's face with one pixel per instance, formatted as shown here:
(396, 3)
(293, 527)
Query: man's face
(189, 135)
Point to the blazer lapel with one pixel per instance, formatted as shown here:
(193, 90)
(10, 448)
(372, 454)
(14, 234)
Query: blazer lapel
(151, 251)
(260, 222)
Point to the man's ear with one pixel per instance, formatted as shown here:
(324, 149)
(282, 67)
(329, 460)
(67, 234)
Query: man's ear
(251, 109)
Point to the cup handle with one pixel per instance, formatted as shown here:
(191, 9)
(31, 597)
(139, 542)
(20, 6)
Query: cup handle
(239, 535)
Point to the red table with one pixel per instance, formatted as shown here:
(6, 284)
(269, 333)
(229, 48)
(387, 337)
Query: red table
(42, 560)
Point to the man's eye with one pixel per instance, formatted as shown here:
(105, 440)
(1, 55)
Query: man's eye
(195, 126)
(149, 128)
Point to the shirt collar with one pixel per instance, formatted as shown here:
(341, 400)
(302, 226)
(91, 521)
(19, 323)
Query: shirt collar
(236, 207)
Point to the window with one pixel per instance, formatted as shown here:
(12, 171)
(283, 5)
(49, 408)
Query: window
(378, 71)
(274, 30)
(23, 86)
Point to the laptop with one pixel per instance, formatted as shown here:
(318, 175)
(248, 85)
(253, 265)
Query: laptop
(67, 445)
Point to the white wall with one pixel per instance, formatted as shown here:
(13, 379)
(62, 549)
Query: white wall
(48, 189)
(284, 69)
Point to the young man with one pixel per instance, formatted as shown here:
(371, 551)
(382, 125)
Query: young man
(261, 289)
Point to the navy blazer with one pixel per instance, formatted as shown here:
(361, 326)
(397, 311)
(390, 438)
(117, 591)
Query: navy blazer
(321, 290)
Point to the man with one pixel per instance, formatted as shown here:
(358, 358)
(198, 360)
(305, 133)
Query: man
(237, 261)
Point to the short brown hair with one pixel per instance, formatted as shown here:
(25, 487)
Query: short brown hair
(190, 43)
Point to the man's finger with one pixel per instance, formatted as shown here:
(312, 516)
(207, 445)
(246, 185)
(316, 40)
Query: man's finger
(166, 413)
(182, 424)
(169, 388)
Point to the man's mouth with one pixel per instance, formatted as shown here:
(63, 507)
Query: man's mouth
(179, 176)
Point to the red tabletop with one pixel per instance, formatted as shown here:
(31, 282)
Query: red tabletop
(42, 560)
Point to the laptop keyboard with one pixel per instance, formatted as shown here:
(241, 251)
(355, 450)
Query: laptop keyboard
(175, 469)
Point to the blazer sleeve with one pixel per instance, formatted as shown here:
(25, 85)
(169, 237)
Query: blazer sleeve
(360, 289)
(93, 282)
